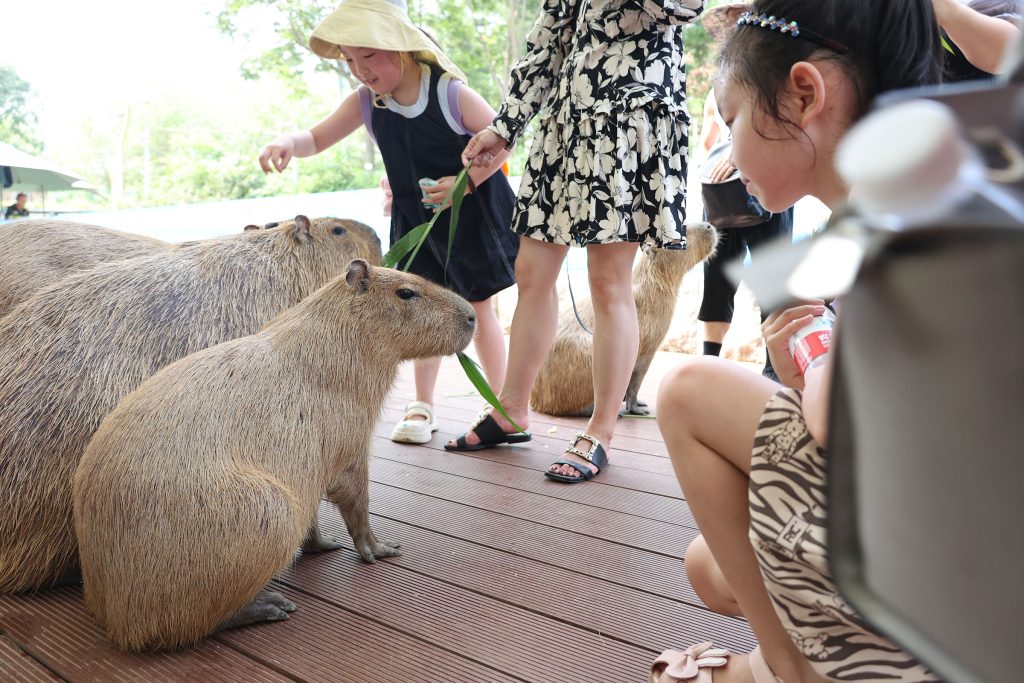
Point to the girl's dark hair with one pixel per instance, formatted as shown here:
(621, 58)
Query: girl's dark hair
(892, 44)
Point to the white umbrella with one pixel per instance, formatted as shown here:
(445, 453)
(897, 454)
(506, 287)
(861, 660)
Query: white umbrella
(22, 172)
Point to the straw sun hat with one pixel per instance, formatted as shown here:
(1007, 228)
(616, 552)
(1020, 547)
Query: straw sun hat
(720, 21)
(378, 24)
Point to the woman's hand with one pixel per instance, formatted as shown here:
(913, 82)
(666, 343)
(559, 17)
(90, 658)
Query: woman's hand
(778, 328)
(435, 194)
(482, 149)
(722, 170)
(277, 154)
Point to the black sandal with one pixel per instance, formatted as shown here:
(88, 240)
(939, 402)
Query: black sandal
(491, 434)
(595, 456)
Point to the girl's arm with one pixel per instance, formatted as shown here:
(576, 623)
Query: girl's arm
(305, 143)
(533, 76)
(982, 39)
(673, 11)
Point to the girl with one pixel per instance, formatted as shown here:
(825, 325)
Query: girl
(606, 172)
(763, 515)
(415, 105)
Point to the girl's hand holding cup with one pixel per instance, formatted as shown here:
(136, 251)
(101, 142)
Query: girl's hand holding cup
(780, 326)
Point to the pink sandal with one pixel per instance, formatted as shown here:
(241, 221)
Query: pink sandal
(695, 664)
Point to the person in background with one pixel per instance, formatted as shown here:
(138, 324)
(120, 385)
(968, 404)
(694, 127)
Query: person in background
(606, 172)
(17, 209)
(750, 453)
(415, 104)
(978, 33)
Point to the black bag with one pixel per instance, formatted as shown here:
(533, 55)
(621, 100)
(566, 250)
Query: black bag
(727, 204)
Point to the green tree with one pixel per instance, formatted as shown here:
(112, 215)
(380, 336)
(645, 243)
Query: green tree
(18, 121)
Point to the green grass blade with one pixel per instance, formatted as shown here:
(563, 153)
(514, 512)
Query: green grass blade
(476, 376)
(458, 193)
(404, 245)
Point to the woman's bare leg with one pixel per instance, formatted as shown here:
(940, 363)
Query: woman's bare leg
(616, 340)
(533, 329)
(490, 343)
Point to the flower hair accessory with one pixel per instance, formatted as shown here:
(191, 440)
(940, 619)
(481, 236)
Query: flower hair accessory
(792, 28)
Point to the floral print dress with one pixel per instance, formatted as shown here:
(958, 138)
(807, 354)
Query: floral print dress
(608, 163)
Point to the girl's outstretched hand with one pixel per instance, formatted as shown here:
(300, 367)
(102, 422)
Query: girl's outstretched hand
(782, 324)
(278, 153)
(482, 149)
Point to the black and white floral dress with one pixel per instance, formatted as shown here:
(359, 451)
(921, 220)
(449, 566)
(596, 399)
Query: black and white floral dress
(608, 163)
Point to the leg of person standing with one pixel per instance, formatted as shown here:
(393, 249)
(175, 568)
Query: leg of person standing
(716, 307)
(616, 340)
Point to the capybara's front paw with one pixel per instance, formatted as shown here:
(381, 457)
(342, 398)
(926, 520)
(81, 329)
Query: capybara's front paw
(371, 550)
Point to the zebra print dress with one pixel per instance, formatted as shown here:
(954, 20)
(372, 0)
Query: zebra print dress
(788, 523)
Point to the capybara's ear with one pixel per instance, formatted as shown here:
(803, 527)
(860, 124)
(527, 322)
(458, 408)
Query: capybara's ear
(250, 227)
(358, 275)
(300, 231)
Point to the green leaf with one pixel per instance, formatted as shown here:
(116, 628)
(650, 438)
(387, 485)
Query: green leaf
(454, 196)
(476, 376)
(458, 190)
(946, 45)
(403, 245)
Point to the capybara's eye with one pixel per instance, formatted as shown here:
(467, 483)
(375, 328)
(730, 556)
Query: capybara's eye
(268, 226)
(404, 293)
(339, 230)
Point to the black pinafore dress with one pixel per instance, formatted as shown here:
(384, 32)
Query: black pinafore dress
(423, 140)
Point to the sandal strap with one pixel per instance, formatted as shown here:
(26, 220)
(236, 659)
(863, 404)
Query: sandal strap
(595, 454)
(420, 408)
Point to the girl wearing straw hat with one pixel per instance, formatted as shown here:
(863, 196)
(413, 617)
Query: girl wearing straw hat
(415, 105)
(607, 171)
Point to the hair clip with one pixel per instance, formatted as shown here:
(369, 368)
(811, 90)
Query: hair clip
(792, 28)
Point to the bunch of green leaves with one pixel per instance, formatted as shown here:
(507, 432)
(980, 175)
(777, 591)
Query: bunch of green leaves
(410, 245)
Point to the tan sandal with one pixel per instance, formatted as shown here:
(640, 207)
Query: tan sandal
(696, 664)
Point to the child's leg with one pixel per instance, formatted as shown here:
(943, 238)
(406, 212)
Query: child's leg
(425, 372)
(708, 412)
(616, 339)
(533, 329)
(490, 343)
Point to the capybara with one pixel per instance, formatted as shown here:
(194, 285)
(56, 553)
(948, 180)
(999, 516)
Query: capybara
(36, 253)
(565, 383)
(73, 350)
(198, 487)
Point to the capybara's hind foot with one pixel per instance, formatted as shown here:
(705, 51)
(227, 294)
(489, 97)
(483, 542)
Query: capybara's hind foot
(318, 543)
(370, 550)
(635, 407)
(266, 606)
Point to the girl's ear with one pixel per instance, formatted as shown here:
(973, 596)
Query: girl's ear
(805, 93)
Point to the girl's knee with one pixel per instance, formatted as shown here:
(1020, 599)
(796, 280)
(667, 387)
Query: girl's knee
(707, 580)
(684, 384)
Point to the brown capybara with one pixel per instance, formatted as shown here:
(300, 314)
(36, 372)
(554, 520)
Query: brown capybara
(565, 383)
(197, 489)
(73, 350)
(37, 253)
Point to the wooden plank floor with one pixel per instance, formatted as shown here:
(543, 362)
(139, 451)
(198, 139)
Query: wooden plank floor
(505, 576)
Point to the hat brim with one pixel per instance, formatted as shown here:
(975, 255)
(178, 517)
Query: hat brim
(378, 25)
(721, 21)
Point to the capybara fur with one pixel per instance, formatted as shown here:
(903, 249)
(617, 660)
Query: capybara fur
(36, 253)
(73, 350)
(198, 488)
(565, 383)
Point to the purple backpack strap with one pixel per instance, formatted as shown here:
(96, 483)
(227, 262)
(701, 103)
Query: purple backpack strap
(448, 96)
(366, 110)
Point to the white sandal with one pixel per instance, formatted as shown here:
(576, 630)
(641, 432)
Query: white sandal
(415, 431)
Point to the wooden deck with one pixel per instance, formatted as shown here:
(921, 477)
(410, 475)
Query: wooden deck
(505, 576)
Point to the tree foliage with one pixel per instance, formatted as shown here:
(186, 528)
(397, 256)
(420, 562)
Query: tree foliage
(18, 120)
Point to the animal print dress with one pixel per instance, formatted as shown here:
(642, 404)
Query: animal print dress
(788, 524)
(608, 163)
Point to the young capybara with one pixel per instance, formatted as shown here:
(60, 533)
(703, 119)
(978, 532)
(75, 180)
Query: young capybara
(36, 253)
(73, 350)
(197, 489)
(565, 383)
